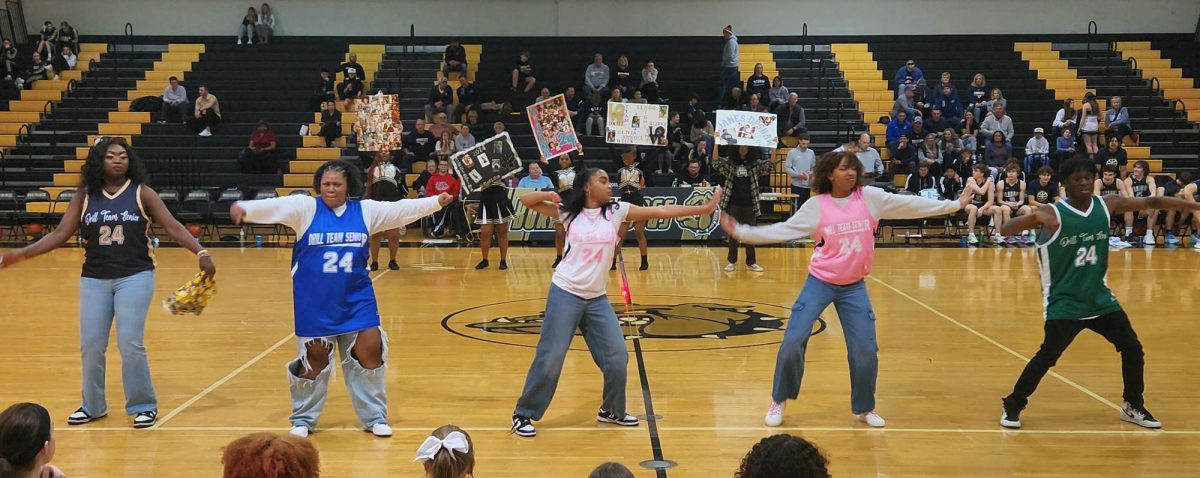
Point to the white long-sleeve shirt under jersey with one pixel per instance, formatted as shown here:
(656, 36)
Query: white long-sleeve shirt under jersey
(297, 212)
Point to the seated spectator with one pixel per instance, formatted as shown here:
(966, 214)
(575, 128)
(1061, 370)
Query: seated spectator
(350, 89)
(693, 105)
(1044, 191)
(950, 146)
(246, 29)
(174, 102)
(442, 180)
(905, 102)
(918, 130)
(783, 455)
(535, 179)
(904, 156)
(268, 455)
(545, 95)
(997, 97)
(468, 98)
(930, 154)
(265, 26)
(596, 77)
(908, 75)
(45, 43)
(977, 96)
(611, 470)
(27, 442)
(755, 105)
(758, 83)
(207, 113)
(948, 102)
(64, 61)
(440, 126)
(464, 140)
(1108, 184)
(595, 112)
(353, 65)
(445, 145)
(455, 59)
(997, 121)
(649, 85)
(936, 122)
(479, 130)
(968, 131)
(778, 94)
(982, 189)
(441, 100)
(897, 127)
(965, 162)
(1114, 155)
(1037, 151)
(638, 98)
(921, 180)
(8, 59)
(935, 90)
(868, 156)
(950, 186)
(736, 99)
(622, 78)
(331, 124)
(323, 92)
(920, 100)
(574, 105)
(1066, 118)
(418, 144)
(38, 70)
(260, 156)
(997, 152)
(447, 453)
(1010, 196)
(791, 118)
(1117, 119)
(423, 179)
(1064, 145)
(693, 175)
(677, 141)
(522, 74)
(702, 129)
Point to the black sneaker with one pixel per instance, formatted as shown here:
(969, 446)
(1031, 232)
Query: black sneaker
(374, 266)
(482, 265)
(80, 417)
(1010, 415)
(145, 419)
(523, 426)
(1139, 416)
(393, 265)
(626, 420)
(557, 259)
(645, 264)
(503, 265)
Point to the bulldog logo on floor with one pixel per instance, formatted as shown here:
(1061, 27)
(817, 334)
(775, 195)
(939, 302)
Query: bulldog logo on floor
(663, 323)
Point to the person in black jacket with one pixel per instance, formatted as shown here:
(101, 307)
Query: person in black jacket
(441, 100)
(38, 70)
(331, 123)
(323, 92)
(67, 36)
(758, 83)
(921, 180)
(350, 89)
(468, 98)
(353, 65)
(623, 78)
(455, 58)
(8, 59)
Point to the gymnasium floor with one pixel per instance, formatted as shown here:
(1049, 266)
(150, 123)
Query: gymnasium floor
(952, 343)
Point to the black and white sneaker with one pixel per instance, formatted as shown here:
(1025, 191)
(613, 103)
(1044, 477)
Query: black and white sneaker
(1139, 416)
(145, 419)
(1010, 416)
(523, 426)
(80, 417)
(606, 416)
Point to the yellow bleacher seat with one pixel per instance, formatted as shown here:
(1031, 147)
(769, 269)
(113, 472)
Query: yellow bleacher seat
(128, 117)
(297, 180)
(318, 154)
(111, 129)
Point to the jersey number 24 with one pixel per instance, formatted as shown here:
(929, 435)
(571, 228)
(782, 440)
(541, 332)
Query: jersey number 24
(333, 263)
(1085, 256)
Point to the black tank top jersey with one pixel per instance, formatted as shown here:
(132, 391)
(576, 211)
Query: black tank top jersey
(114, 229)
(1012, 192)
(979, 199)
(1140, 188)
(1109, 189)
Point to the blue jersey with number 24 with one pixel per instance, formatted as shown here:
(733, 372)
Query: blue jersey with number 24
(331, 285)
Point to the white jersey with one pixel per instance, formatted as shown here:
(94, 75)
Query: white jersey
(591, 244)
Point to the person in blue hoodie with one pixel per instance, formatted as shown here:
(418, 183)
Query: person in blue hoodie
(908, 74)
(899, 126)
(948, 102)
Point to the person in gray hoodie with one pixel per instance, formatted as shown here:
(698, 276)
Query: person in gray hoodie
(595, 78)
(997, 121)
(904, 101)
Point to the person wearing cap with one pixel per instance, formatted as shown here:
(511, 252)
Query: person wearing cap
(730, 76)
(1037, 151)
(909, 74)
(905, 101)
(917, 133)
(441, 100)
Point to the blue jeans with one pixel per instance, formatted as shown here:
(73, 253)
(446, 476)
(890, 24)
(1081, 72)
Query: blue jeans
(858, 325)
(730, 77)
(1034, 161)
(597, 321)
(368, 393)
(100, 302)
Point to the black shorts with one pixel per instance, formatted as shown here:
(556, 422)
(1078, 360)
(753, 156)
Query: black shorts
(633, 197)
(494, 206)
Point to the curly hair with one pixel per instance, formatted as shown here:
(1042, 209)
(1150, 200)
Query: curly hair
(784, 455)
(267, 455)
(826, 165)
(93, 176)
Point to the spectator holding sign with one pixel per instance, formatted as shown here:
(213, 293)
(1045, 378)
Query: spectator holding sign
(741, 169)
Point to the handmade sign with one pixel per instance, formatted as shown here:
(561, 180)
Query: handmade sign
(636, 123)
(552, 128)
(746, 128)
(378, 123)
(487, 163)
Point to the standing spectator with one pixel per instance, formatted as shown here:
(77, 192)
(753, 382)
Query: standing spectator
(1113, 156)
(441, 100)
(1037, 151)
(904, 156)
(1089, 123)
(741, 170)
(45, 43)
(1064, 145)
(246, 29)
(27, 442)
(1066, 118)
(265, 26)
(791, 118)
(908, 75)
(38, 70)
(522, 74)
(622, 78)
(352, 65)
(997, 152)
(948, 102)
(784, 455)
(455, 58)
(596, 77)
(8, 59)
(898, 127)
(350, 89)
(937, 122)
(968, 128)
(778, 93)
(997, 97)
(905, 102)
(267, 455)
(208, 112)
(445, 145)
(1117, 119)
(921, 180)
(464, 140)
(535, 179)
(323, 91)
(468, 98)
(64, 61)
(649, 85)
(331, 124)
(977, 95)
(260, 156)
(930, 155)
(758, 83)
(997, 121)
(730, 76)
(174, 102)
(799, 166)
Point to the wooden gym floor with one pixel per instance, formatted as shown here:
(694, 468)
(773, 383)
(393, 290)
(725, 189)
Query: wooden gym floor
(955, 328)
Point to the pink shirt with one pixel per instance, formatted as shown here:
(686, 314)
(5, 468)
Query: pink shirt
(845, 238)
(590, 247)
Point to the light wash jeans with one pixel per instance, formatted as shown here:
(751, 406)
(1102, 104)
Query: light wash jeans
(858, 325)
(100, 302)
(246, 31)
(368, 393)
(597, 321)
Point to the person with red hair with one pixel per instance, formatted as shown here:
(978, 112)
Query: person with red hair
(267, 455)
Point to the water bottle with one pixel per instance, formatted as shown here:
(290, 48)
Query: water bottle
(154, 241)
(258, 241)
(963, 241)
(242, 237)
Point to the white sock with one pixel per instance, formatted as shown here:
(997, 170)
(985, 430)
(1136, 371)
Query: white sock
(1128, 231)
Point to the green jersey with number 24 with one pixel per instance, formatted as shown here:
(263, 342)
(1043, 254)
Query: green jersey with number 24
(1073, 262)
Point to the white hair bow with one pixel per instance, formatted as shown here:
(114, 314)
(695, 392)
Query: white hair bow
(454, 441)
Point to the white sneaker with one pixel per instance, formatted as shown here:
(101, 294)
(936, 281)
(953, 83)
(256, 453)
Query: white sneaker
(872, 419)
(381, 430)
(239, 43)
(754, 268)
(206, 133)
(972, 240)
(300, 431)
(1138, 416)
(1149, 240)
(775, 414)
(730, 267)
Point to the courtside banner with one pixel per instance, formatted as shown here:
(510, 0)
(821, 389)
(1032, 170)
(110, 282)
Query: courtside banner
(636, 123)
(746, 128)
(552, 128)
(487, 163)
(528, 225)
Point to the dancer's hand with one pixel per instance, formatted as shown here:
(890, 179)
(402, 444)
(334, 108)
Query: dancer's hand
(728, 224)
(236, 213)
(714, 202)
(964, 199)
(208, 266)
(444, 199)
(10, 259)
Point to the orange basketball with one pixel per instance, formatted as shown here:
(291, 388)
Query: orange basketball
(35, 229)
(194, 229)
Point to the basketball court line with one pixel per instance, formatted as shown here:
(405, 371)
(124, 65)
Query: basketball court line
(639, 430)
(999, 345)
(234, 373)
